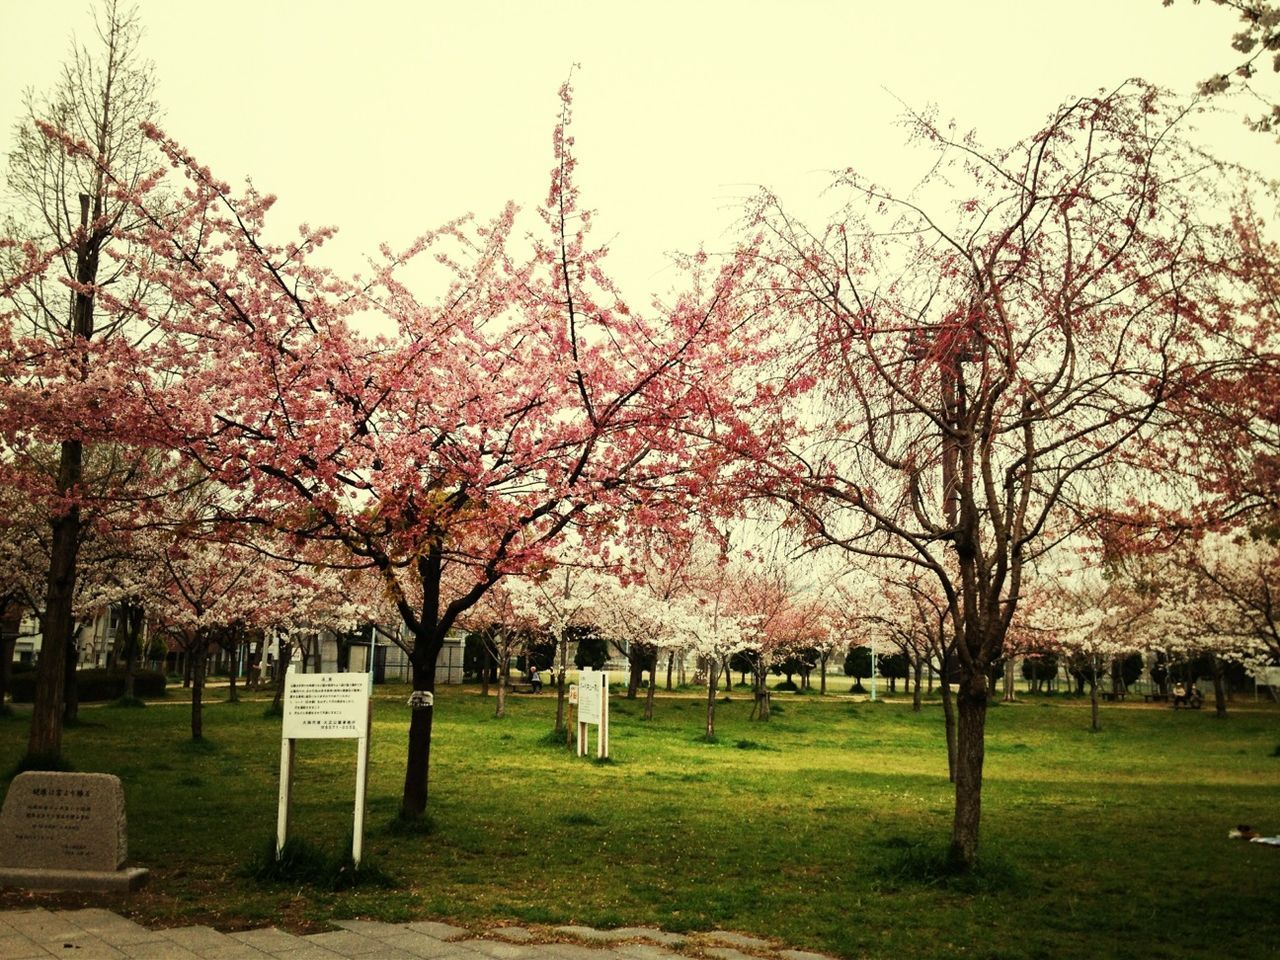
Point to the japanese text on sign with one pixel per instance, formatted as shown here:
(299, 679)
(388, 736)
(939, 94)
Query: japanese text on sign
(325, 705)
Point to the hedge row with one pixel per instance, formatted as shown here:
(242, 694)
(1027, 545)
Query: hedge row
(93, 685)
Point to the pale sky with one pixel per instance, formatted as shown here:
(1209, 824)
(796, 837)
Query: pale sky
(387, 117)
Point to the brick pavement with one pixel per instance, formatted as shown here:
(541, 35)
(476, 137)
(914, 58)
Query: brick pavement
(96, 934)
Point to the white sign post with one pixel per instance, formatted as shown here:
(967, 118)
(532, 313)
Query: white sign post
(593, 708)
(322, 706)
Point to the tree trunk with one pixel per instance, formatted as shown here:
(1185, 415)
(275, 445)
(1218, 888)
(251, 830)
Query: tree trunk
(186, 669)
(1095, 725)
(46, 715)
(504, 667)
(561, 687)
(822, 679)
(131, 619)
(653, 685)
(1010, 680)
(413, 803)
(233, 651)
(71, 692)
(201, 655)
(284, 651)
(711, 698)
(971, 703)
(57, 629)
(915, 698)
(7, 644)
(671, 661)
(636, 666)
(760, 708)
(1219, 690)
(728, 677)
(949, 722)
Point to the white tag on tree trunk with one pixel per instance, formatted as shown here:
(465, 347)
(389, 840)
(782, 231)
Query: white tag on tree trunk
(422, 698)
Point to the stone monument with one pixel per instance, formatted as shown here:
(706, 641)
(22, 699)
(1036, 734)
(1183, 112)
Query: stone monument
(66, 831)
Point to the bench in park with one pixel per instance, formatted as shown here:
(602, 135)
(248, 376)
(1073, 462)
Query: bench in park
(1155, 697)
(1112, 695)
(520, 688)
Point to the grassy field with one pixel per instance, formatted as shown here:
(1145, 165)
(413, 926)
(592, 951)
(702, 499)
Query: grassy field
(820, 827)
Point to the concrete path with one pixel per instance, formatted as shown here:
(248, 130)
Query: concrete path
(96, 934)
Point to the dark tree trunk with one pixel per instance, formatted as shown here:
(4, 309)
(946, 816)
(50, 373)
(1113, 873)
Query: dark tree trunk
(46, 714)
(562, 688)
(504, 672)
(915, 700)
(233, 655)
(1219, 690)
(200, 654)
(760, 708)
(949, 720)
(671, 662)
(131, 620)
(712, 685)
(413, 804)
(284, 653)
(653, 685)
(70, 692)
(186, 669)
(728, 676)
(635, 661)
(971, 703)
(7, 644)
(57, 629)
(1095, 724)
(822, 679)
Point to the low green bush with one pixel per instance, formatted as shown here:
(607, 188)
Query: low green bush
(303, 863)
(94, 685)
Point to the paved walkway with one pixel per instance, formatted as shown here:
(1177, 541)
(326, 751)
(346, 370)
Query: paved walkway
(96, 934)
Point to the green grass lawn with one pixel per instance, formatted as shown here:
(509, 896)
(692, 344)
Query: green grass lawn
(818, 827)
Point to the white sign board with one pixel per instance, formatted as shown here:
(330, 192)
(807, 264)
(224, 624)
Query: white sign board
(590, 697)
(593, 709)
(321, 706)
(326, 705)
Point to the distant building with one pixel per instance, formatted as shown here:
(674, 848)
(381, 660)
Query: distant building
(96, 646)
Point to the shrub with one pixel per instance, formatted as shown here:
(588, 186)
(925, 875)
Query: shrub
(94, 685)
(306, 864)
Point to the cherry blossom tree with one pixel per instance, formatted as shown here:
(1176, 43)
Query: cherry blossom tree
(982, 361)
(560, 599)
(1257, 42)
(1095, 621)
(906, 621)
(504, 623)
(1229, 607)
(526, 399)
(62, 350)
(631, 613)
(720, 635)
